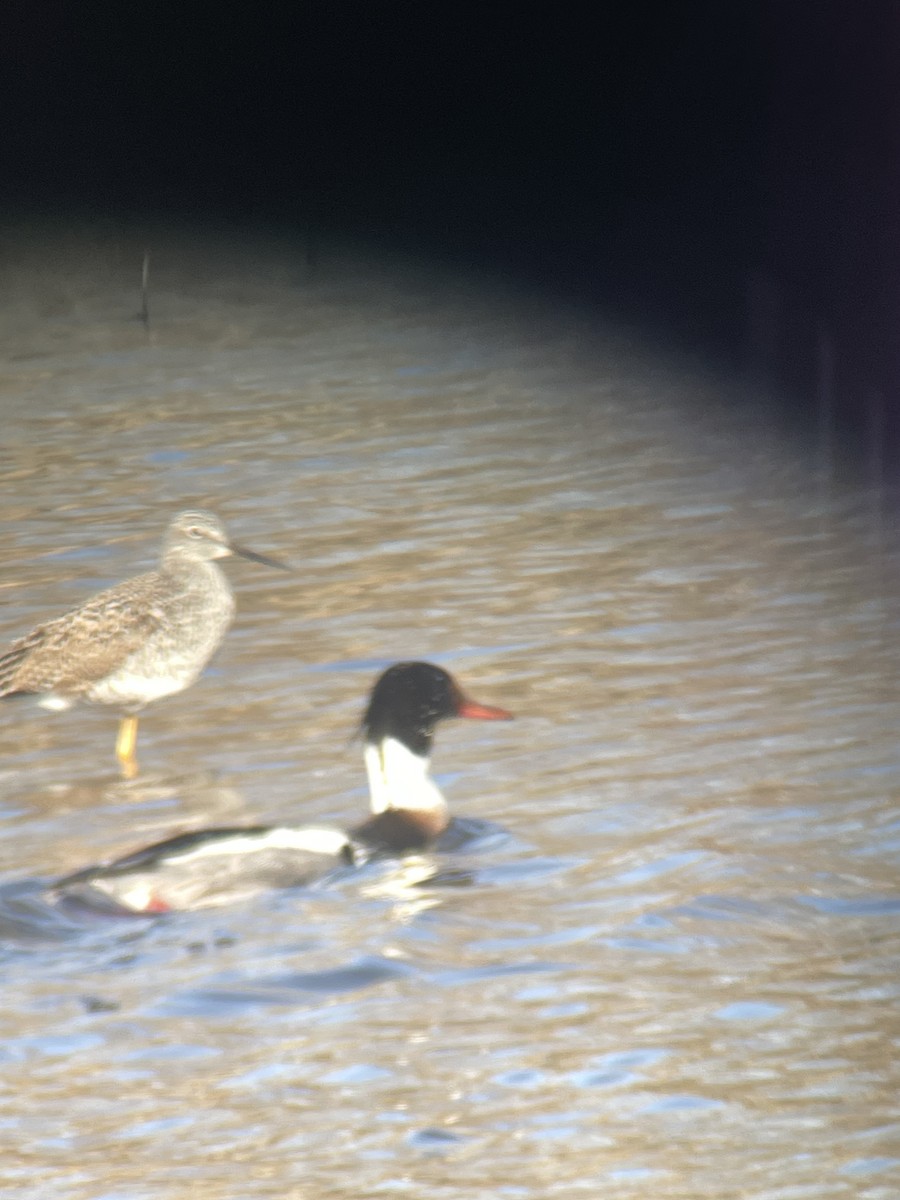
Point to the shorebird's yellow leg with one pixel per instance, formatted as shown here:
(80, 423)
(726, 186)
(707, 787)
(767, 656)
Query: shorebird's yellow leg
(125, 744)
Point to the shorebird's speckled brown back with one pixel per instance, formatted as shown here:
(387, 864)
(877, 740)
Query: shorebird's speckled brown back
(71, 653)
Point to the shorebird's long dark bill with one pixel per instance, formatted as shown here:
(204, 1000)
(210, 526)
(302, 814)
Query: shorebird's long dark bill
(482, 712)
(260, 558)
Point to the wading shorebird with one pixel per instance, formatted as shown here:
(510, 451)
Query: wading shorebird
(134, 643)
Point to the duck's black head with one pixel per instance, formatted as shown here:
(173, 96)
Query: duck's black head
(410, 698)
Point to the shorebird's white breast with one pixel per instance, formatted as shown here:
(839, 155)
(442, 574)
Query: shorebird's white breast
(191, 625)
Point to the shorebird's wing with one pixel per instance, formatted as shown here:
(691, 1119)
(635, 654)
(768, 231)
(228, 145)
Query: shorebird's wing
(72, 652)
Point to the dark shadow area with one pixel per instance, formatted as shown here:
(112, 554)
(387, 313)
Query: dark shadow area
(723, 175)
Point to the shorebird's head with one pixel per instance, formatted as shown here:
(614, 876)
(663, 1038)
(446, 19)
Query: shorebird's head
(201, 536)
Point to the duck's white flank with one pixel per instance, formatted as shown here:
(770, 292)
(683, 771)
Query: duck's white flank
(313, 839)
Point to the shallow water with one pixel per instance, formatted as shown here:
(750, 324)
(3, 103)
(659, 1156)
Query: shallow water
(674, 975)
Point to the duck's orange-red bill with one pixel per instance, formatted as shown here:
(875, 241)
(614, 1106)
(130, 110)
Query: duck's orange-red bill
(482, 712)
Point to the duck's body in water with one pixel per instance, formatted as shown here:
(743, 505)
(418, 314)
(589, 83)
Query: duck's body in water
(222, 865)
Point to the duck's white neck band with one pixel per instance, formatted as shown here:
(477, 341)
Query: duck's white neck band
(399, 779)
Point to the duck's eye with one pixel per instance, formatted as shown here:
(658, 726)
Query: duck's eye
(195, 531)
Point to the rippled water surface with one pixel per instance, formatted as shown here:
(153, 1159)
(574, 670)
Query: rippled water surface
(674, 974)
